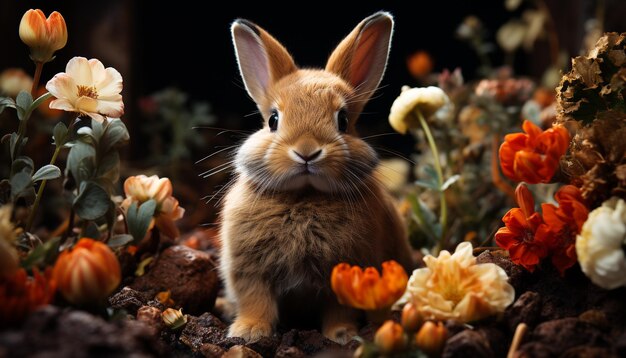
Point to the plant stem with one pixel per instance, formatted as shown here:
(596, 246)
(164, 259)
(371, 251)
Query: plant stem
(36, 78)
(443, 208)
(42, 186)
(21, 130)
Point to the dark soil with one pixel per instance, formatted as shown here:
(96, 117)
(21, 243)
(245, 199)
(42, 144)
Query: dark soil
(567, 317)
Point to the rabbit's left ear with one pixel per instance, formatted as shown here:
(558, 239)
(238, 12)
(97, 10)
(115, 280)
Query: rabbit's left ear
(262, 59)
(361, 58)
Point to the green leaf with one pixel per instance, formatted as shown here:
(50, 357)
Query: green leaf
(22, 164)
(92, 201)
(139, 218)
(14, 145)
(120, 240)
(425, 218)
(6, 102)
(451, 180)
(23, 102)
(44, 253)
(47, 172)
(96, 130)
(60, 134)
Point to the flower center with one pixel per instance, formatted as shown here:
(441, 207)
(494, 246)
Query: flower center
(87, 91)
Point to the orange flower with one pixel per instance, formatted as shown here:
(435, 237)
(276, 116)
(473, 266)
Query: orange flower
(533, 156)
(564, 222)
(367, 289)
(431, 338)
(21, 294)
(43, 36)
(390, 337)
(420, 64)
(525, 235)
(88, 273)
(141, 188)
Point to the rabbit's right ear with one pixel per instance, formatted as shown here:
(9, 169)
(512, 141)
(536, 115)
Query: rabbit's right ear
(262, 59)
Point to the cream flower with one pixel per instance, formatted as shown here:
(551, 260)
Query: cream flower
(427, 99)
(600, 245)
(142, 188)
(14, 80)
(455, 287)
(86, 87)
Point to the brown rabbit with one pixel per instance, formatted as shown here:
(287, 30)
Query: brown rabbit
(305, 195)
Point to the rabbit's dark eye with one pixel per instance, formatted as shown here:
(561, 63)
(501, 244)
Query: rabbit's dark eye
(273, 120)
(342, 120)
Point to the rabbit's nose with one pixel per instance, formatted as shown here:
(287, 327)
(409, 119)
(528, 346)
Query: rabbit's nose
(308, 157)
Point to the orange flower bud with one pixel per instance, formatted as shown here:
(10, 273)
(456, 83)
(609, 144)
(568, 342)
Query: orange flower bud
(87, 273)
(411, 318)
(420, 64)
(390, 338)
(43, 36)
(431, 338)
(174, 319)
(367, 289)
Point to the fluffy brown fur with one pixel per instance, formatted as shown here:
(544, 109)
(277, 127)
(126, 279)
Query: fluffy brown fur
(287, 220)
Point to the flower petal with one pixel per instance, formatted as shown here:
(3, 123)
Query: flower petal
(78, 68)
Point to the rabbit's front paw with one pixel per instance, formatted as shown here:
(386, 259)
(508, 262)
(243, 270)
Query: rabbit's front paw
(250, 329)
(340, 333)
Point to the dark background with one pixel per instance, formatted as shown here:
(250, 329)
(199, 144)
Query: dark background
(155, 47)
(179, 45)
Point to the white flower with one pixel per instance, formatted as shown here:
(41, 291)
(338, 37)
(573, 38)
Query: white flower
(427, 100)
(86, 87)
(455, 287)
(600, 245)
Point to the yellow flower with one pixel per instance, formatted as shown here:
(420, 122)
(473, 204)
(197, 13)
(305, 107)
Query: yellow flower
(427, 100)
(455, 287)
(86, 87)
(600, 245)
(141, 188)
(8, 253)
(367, 289)
(14, 80)
(390, 337)
(431, 338)
(43, 36)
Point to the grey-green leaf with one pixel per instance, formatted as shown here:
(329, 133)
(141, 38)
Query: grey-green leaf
(24, 100)
(120, 240)
(47, 172)
(6, 102)
(92, 201)
(428, 184)
(23, 164)
(60, 134)
(20, 182)
(37, 102)
(139, 218)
